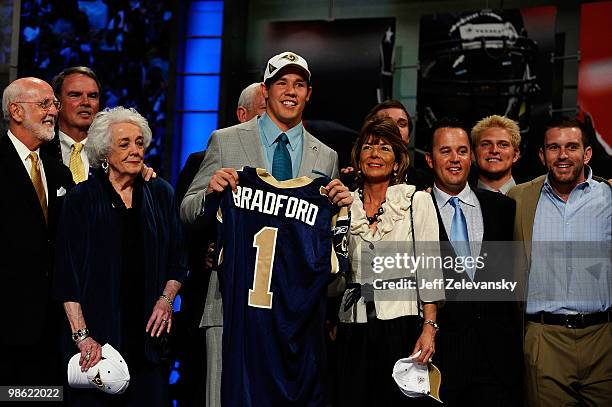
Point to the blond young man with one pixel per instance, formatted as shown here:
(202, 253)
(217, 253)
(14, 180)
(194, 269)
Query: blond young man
(495, 146)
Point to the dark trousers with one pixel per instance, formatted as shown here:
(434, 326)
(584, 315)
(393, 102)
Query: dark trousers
(366, 356)
(148, 387)
(471, 380)
(484, 390)
(35, 365)
(38, 364)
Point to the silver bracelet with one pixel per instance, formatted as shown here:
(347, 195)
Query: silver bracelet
(80, 335)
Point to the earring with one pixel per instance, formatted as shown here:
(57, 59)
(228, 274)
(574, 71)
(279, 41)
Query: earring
(105, 166)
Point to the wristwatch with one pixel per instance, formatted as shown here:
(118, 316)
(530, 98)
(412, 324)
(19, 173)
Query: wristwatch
(432, 323)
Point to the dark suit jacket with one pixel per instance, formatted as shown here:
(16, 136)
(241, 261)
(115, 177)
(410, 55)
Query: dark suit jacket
(188, 173)
(26, 244)
(53, 149)
(470, 327)
(194, 291)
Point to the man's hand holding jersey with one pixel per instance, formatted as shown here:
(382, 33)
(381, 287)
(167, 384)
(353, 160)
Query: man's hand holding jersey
(338, 193)
(221, 179)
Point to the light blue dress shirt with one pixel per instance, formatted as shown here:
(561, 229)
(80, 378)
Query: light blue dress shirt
(269, 131)
(471, 209)
(571, 250)
(470, 206)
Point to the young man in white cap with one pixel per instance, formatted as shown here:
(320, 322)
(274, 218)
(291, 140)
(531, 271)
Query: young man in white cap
(286, 87)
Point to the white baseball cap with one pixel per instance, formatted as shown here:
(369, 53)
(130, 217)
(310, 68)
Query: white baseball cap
(111, 374)
(287, 58)
(416, 380)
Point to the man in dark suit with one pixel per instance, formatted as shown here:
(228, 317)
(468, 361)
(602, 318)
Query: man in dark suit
(479, 343)
(32, 186)
(78, 89)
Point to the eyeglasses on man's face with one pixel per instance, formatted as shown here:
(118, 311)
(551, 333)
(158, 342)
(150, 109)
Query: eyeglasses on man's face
(46, 104)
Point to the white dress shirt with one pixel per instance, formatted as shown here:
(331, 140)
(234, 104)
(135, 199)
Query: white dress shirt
(66, 144)
(24, 153)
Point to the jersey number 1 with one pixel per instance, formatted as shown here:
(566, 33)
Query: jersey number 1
(265, 243)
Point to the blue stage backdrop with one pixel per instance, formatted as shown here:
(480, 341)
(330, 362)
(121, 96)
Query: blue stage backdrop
(127, 43)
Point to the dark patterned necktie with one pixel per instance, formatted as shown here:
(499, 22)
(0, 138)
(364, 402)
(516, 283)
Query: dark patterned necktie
(281, 162)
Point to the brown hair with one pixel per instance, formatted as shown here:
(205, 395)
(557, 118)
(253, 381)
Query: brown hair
(564, 122)
(58, 80)
(389, 104)
(382, 129)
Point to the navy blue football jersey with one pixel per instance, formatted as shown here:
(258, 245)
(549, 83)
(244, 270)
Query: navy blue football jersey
(276, 261)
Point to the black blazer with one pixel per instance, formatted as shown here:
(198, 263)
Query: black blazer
(53, 149)
(26, 244)
(188, 173)
(194, 291)
(492, 327)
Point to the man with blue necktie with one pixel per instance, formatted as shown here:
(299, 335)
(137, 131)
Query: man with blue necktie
(276, 141)
(479, 343)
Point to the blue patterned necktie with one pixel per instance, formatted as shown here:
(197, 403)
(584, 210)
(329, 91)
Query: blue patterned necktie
(459, 233)
(281, 162)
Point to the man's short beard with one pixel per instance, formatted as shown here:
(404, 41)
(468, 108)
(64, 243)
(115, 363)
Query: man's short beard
(571, 181)
(40, 131)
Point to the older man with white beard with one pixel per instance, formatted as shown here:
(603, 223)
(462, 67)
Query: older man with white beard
(32, 184)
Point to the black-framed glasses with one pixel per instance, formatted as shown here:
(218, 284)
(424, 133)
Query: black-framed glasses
(46, 104)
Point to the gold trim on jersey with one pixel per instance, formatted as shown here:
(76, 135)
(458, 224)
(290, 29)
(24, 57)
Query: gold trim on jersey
(219, 215)
(266, 177)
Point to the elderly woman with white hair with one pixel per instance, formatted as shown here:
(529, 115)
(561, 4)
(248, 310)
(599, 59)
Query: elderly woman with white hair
(120, 260)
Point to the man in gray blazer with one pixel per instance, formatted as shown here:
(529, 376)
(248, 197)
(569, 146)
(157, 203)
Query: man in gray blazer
(257, 143)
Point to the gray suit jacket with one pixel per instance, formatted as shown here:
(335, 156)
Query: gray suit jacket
(236, 147)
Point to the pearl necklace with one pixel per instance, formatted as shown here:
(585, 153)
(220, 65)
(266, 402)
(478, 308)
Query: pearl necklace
(374, 218)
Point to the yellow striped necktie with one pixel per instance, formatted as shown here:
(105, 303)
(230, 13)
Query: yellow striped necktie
(38, 183)
(77, 168)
